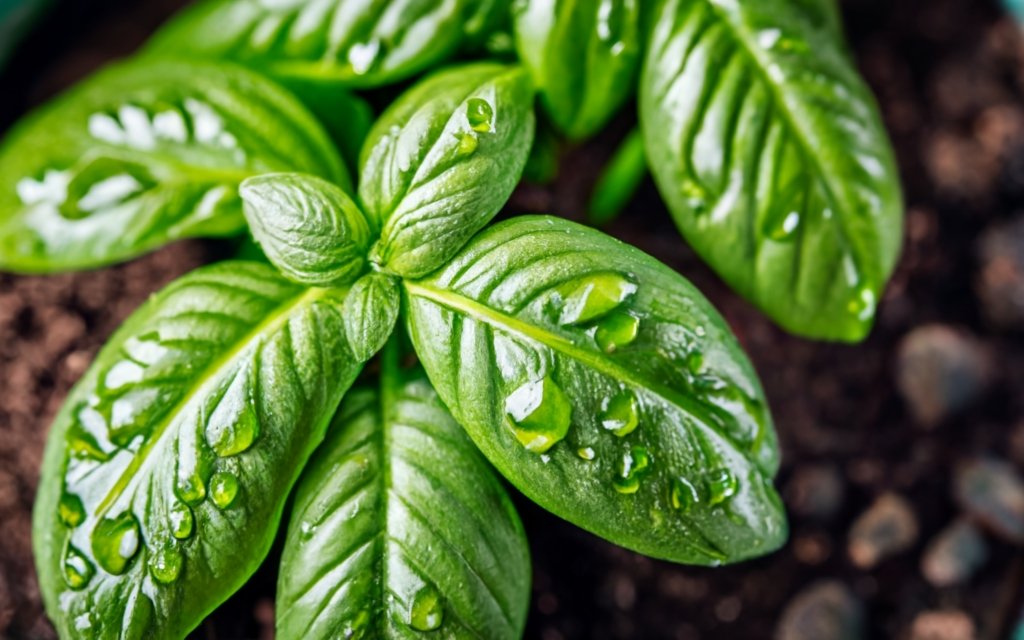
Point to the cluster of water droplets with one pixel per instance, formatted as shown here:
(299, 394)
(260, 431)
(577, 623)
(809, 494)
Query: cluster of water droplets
(539, 412)
(115, 419)
(479, 120)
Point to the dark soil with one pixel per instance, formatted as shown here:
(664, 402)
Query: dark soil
(949, 75)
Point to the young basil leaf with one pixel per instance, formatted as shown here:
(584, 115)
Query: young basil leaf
(583, 54)
(168, 467)
(771, 155)
(400, 527)
(370, 312)
(308, 228)
(142, 154)
(366, 43)
(443, 160)
(605, 387)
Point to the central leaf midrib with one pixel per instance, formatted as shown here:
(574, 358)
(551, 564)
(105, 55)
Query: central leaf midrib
(513, 325)
(793, 124)
(270, 324)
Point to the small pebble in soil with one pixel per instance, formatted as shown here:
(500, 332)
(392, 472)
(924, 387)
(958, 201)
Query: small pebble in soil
(826, 609)
(954, 555)
(942, 625)
(887, 528)
(992, 492)
(815, 491)
(940, 371)
(1000, 281)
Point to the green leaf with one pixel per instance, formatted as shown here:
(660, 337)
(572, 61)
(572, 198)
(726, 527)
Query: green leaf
(583, 54)
(443, 160)
(619, 180)
(142, 154)
(308, 228)
(484, 18)
(772, 157)
(346, 117)
(370, 312)
(361, 43)
(400, 527)
(605, 387)
(168, 467)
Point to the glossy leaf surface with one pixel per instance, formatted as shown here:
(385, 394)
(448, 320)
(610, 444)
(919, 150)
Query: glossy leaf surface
(371, 311)
(308, 228)
(583, 54)
(605, 387)
(168, 467)
(772, 157)
(443, 160)
(358, 43)
(401, 530)
(142, 154)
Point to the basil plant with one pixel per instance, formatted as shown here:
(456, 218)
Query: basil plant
(362, 385)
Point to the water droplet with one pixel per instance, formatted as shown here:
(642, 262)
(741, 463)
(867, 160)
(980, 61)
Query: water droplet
(182, 521)
(587, 453)
(616, 330)
(115, 541)
(77, 568)
(540, 413)
(233, 425)
(191, 489)
(427, 610)
(223, 489)
(684, 494)
(165, 564)
(721, 485)
(479, 114)
(863, 304)
(782, 226)
(467, 143)
(633, 467)
(594, 297)
(621, 414)
(70, 510)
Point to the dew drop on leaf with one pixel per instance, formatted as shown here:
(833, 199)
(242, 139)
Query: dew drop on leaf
(722, 485)
(479, 114)
(427, 610)
(223, 489)
(616, 330)
(232, 427)
(70, 510)
(594, 297)
(539, 413)
(115, 541)
(634, 465)
(587, 453)
(165, 564)
(191, 489)
(621, 414)
(77, 568)
(182, 521)
(467, 143)
(683, 494)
